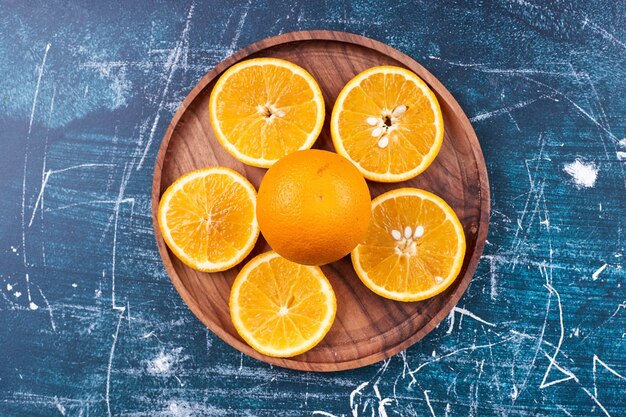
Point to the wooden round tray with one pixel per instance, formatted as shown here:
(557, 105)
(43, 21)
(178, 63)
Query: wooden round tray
(367, 328)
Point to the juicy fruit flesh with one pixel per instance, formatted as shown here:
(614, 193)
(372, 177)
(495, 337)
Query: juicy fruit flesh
(414, 248)
(313, 207)
(281, 308)
(209, 220)
(266, 111)
(389, 123)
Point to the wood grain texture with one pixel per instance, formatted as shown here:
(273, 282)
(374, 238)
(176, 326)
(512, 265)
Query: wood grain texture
(367, 328)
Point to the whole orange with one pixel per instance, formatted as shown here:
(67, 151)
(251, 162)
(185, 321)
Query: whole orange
(313, 207)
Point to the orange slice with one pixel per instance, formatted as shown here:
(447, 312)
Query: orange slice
(207, 218)
(265, 108)
(281, 308)
(414, 248)
(388, 123)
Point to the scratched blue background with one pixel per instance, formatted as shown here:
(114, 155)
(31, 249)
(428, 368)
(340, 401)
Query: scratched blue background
(89, 322)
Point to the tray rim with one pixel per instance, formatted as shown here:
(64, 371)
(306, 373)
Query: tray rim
(484, 195)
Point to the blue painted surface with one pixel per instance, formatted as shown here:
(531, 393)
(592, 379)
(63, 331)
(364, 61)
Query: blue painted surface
(89, 322)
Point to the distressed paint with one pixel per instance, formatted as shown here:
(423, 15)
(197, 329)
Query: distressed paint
(90, 324)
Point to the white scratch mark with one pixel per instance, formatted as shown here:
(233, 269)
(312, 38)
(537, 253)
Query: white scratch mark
(552, 359)
(405, 366)
(54, 327)
(45, 179)
(474, 399)
(538, 195)
(584, 174)
(539, 338)
(568, 374)
(376, 391)
(522, 73)
(181, 383)
(120, 86)
(130, 200)
(240, 362)
(603, 32)
(32, 110)
(381, 406)
(171, 65)
(382, 402)
(238, 30)
(59, 406)
(595, 399)
(357, 391)
(493, 278)
(471, 348)
(621, 156)
(543, 342)
(432, 412)
(70, 168)
(43, 173)
(30, 126)
(494, 113)
(567, 413)
(451, 322)
(576, 106)
(596, 274)
(484, 67)
(39, 197)
(108, 378)
(472, 315)
(597, 102)
(596, 361)
(113, 261)
(98, 291)
(116, 212)
(128, 313)
(534, 190)
(323, 413)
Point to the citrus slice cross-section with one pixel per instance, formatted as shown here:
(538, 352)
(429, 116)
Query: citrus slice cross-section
(414, 248)
(265, 108)
(207, 218)
(388, 123)
(281, 308)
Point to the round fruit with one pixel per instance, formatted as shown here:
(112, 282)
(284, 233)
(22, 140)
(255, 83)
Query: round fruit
(388, 123)
(281, 308)
(265, 108)
(207, 218)
(313, 207)
(414, 247)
